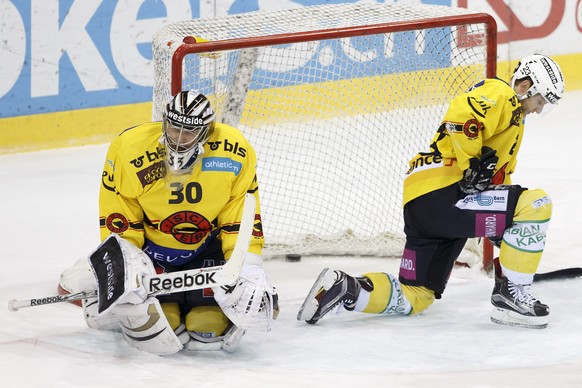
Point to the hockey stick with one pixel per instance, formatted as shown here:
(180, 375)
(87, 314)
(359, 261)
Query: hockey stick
(566, 273)
(15, 305)
(560, 274)
(179, 281)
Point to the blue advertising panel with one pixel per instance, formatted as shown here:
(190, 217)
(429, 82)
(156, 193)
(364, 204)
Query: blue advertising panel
(64, 55)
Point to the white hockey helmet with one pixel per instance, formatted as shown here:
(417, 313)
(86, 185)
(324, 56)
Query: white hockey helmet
(546, 77)
(187, 123)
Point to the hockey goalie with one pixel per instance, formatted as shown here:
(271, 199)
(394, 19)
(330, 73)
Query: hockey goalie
(171, 199)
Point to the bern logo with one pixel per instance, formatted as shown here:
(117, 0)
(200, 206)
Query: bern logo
(471, 128)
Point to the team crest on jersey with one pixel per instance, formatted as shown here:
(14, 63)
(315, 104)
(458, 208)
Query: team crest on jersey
(472, 127)
(186, 226)
(117, 223)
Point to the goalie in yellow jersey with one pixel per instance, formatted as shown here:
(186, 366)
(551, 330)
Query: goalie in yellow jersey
(461, 188)
(173, 191)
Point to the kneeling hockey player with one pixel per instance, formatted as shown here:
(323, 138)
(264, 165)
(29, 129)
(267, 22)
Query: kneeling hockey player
(459, 189)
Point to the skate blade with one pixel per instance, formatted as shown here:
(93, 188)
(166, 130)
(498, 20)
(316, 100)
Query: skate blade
(510, 318)
(310, 304)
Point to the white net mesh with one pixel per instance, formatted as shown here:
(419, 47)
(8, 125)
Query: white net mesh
(334, 121)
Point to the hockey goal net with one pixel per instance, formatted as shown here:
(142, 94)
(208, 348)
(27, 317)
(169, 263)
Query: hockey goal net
(335, 100)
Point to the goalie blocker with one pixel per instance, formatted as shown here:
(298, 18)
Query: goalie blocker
(117, 280)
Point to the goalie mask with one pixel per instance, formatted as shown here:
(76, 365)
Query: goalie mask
(187, 123)
(546, 77)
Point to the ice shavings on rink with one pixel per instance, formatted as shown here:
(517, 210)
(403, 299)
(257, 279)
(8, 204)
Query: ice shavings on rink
(49, 212)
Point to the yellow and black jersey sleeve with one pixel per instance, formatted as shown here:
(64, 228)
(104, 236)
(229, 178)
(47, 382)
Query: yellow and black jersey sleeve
(487, 115)
(133, 160)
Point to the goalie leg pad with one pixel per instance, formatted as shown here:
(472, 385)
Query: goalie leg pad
(210, 329)
(229, 342)
(232, 338)
(94, 320)
(145, 327)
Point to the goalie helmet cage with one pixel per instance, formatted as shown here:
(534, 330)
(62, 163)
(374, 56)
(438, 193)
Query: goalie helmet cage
(335, 99)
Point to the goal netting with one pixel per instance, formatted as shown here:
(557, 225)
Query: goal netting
(335, 100)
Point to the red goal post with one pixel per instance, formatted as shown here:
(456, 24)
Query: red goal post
(335, 100)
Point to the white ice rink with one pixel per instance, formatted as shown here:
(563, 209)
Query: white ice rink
(48, 210)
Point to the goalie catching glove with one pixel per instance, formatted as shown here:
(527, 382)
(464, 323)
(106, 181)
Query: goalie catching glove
(478, 176)
(251, 302)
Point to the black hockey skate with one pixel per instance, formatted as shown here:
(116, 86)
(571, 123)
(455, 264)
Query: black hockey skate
(332, 289)
(513, 305)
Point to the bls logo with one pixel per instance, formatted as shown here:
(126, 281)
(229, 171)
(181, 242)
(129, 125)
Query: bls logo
(152, 156)
(228, 147)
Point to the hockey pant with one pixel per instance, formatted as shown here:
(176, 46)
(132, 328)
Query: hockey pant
(521, 217)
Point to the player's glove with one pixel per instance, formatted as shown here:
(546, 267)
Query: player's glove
(251, 303)
(478, 176)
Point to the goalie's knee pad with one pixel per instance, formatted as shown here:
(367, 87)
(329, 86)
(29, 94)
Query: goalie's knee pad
(145, 327)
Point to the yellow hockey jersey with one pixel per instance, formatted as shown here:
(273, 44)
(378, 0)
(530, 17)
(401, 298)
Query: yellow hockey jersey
(489, 114)
(171, 219)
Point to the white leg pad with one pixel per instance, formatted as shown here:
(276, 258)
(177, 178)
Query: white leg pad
(106, 321)
(145, 327)
(232, 339)
(228, 342)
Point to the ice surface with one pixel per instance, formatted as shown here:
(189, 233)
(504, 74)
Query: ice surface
(48, 208)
